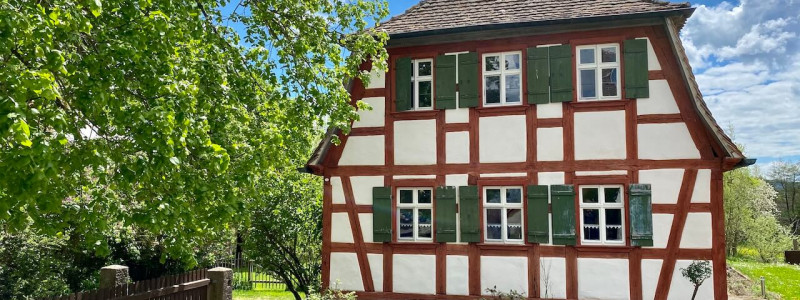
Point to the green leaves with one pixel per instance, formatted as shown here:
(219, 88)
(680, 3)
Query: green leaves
(21, 133)
(96, 7)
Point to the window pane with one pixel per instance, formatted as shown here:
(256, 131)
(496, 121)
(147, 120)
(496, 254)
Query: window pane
(492, 63)
(590, 195)
(492, 89)
(493, 196)
(407, 223)
(588, 84)
(587, 56)
(424, 69)
(591, 217)
(424, 94)
(514, 220)
(610, 82)
(614, 217)
(512, 62)
(406, 196)
(614, 233)
(608, 54)
(512, 88)
(424, 196)
(513, 195)
(591, 233)
(613, 195)
(424, 221)
(494, 224)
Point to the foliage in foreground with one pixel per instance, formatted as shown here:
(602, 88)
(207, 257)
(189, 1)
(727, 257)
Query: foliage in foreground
(286, 232)
(149, 114)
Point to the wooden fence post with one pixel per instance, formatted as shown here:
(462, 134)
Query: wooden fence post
(113, 275)
(221, 287)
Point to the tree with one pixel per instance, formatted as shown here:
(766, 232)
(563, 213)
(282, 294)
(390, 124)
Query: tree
(152, 114)
(286, 232)
(785, 176)
(746, 198)
(697, 272)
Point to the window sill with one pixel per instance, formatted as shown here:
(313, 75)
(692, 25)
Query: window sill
(605, 248)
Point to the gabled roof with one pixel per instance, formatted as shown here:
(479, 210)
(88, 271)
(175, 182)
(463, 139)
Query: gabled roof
(439, 15)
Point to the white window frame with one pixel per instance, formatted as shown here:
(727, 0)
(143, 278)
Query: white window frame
(504, 207)
(458, 94)
(415, 206)
(602, 206)
(598, 66)
(502, 73)
(416, 79)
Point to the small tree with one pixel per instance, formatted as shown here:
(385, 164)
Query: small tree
(697, 272)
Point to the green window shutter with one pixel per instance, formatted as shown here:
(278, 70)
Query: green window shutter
(468, 87)
(402, 84)
(637, 84)
(381, 214)
(470, 214)
(561, 73)
(445, 82)
(563, 198)
(641, 218)
(538, 231)
(445, 207)
(538, 78)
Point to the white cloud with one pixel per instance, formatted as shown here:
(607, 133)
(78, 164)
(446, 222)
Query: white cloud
(747, 62)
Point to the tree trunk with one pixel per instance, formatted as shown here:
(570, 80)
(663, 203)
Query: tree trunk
(795, 244)
(694, 294)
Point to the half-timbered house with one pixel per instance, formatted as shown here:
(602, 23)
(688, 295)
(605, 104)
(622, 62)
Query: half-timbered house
(557, 148)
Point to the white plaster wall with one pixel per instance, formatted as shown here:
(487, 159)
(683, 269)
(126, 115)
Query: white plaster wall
(666, 141)
(457, 147)
(415, 142)
(553, 273)
(661, 100)
(362, 188)
(337, 192)
(377, 79)
(600, 135)
(681, 288)
(697, 233)
(651, 270)
(551, 178)
(365, 220)
(376, 268)
(702, 187)
(341, 231)
(373, 117)
(413, 273)
(662, 224)
(457, 275)
(507, 273)
(603, 278)
(665, 184)
(456, 180)
(550, 144)
(601, 173)
(458, 115)
(652, 59)
(550, 110)
(502, 139)
(346, 272)
(364, 151)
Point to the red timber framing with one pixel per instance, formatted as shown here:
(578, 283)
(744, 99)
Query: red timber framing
(709, 159)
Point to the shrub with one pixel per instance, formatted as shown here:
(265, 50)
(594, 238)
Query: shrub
(697, 272)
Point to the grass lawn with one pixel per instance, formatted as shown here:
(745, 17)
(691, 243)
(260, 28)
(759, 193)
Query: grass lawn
(783, 279)
(262, 295)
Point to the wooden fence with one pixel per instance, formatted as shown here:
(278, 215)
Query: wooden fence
(192, 285)
(248, 275)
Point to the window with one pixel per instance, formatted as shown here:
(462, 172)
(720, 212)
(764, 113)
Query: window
(602, 215)
(502, 79)
(422, 84)
(503, 214)
(598, 66)
(415, 218)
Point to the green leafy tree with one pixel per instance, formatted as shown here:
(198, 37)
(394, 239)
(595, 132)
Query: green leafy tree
(151, 113)
(746, 198)
(697, 272)
(286, 232)
(785, 176)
